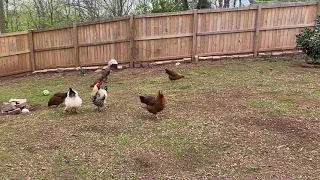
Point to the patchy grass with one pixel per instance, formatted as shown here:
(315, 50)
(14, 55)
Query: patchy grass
(235, 119)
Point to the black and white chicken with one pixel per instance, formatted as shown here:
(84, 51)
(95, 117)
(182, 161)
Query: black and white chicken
(72, 101)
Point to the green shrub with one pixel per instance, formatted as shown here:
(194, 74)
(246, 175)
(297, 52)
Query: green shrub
(309, 41)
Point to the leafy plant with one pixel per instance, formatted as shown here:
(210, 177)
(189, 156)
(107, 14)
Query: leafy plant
(309, 41)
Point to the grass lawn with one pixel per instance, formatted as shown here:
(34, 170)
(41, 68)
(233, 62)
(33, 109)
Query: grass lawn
(234, 119)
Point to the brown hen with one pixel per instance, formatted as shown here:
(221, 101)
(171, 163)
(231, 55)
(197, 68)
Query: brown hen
(57, 99)
(174, 75)
(154, 104)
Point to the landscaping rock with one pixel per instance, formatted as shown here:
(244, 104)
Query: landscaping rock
(245, 55)
(276, 53)
(8, 107)
(216, 57)
(2, 113)
(144, 65)
(205, 58)
(125, 66)
(136, 65)
(21, 105)
(15, 111)
(18, 101)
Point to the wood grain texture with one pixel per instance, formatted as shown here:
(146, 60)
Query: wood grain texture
(156, 37)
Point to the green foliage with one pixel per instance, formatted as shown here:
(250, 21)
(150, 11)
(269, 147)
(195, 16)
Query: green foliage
(162, 6)
(303, 40)
(309, 41)
(143, 8)
(203, 4)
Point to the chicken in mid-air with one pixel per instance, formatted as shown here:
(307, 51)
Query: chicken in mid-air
(174, 75)
(154, 104)
(112, 65)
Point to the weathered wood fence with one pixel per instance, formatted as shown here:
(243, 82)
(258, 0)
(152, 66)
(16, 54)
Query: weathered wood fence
(157, 37)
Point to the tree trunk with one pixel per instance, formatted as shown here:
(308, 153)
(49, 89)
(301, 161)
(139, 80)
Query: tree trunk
(2, 27)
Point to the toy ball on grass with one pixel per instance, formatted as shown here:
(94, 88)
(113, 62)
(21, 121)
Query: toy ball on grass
(45, 92)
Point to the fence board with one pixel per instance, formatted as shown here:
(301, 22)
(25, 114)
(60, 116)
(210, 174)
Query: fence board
(14, 53)
(158, 37)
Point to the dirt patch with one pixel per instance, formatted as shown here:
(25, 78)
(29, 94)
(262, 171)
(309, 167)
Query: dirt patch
(294, 129)
(34, 107)
(100, 129)
(149, 163)
(190, 161)
(306, 65)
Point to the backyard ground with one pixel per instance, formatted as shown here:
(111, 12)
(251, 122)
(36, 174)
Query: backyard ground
(234, 119)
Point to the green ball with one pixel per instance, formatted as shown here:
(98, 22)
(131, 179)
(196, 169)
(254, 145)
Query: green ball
(45, 92)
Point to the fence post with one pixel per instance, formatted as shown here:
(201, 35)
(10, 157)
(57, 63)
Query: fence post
(31, 48)
(76, 45)
(256, 34)
(194, 37)
(132, 49)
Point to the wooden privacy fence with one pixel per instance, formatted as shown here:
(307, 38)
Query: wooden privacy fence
(158, 37)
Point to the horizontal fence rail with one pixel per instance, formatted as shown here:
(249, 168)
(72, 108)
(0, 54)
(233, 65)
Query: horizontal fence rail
(158, 37)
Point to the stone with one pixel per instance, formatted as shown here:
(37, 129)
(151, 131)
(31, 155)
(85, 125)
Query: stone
(21, 105)
(288, 52)
(125, 66)
(25, 110)
(205, 58)
(91, 68)
(15, 111)
(245, 55)
(2, 113)
(18, 101)
(8, 107)
(276, 53)
(40, 71)
(136, 65)
(264, 54)
(60, 70)
(216, 57)
(144, 64)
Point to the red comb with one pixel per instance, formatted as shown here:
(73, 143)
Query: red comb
(99, 83)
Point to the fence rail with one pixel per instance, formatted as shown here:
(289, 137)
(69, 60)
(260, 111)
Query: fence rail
(157, 37)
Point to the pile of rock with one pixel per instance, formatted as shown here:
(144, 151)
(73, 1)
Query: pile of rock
(14, 106)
